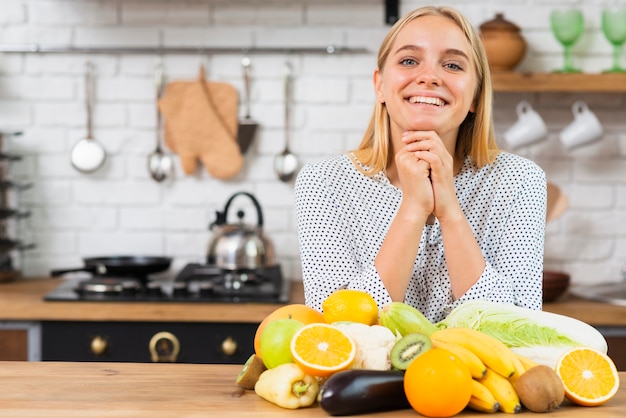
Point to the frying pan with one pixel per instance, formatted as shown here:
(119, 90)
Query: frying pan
(126, 266)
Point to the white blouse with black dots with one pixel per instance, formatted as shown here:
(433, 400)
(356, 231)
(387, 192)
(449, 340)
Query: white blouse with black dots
(343, 217)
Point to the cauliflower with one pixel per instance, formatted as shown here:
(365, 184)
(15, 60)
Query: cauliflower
(373, 345)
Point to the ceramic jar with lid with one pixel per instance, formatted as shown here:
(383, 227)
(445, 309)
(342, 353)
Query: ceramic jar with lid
(503, 42)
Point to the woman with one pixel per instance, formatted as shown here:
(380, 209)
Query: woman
(427, 211)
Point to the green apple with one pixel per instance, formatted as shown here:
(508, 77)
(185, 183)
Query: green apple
(276, 341)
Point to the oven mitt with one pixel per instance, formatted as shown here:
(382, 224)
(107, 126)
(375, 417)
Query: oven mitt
(201, 123)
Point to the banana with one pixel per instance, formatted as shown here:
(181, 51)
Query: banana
(475, 365)
(519, 368)
(482, 399)
(493, 353)
(526, 362)
(503, 390)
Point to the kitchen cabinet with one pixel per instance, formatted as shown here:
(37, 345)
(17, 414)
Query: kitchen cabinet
(19, 341)
(13, 345)
(512, 82)
(144, 342)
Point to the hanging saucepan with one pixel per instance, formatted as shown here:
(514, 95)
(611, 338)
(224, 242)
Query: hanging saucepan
(7, 245)
(124, 266)
(240, 246)
(9, 213)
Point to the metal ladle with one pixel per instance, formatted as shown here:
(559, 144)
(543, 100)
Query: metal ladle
(159, 163)
(88, 154)
(286, 163)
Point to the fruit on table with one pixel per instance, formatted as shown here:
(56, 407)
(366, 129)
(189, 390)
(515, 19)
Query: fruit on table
(589, 376)
(503, 390)
(287, 386)
(322, 349)
(493, 353)
(438, 384)
(298, 311)
(540, 389)
(475, 365)
(250, 372)
(350, 305)
(360, 391)
(482, 399)
(276, 340)
(407, 348)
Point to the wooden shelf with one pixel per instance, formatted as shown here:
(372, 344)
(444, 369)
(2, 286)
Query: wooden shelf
(511, 82)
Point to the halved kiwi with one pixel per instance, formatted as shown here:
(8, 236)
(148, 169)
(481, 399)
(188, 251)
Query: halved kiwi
(249, 374)
(407, 348)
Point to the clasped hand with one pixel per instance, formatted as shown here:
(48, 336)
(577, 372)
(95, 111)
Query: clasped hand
(426, 173)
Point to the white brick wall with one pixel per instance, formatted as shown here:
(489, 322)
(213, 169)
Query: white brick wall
(120, 210)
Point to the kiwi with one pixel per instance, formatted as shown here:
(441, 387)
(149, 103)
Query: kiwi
(540, 389)
(249, 374)
(407, 348)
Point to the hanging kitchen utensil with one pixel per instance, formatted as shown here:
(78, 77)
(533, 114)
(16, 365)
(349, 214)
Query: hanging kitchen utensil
(127, 266)
(247, 126)
(159, 163)
(557, 202)
(286, 163)
(88, 154)
(240, 246)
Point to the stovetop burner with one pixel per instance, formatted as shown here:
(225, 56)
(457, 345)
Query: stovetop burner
(194, 283)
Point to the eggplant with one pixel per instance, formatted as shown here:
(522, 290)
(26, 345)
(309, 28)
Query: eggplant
(359, 391)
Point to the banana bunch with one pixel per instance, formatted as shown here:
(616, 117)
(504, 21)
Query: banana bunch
(493, 366)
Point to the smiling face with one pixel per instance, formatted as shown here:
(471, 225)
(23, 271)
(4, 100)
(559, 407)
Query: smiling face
(429, 80)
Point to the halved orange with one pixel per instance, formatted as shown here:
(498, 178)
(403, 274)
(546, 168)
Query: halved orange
(589, 376)
(322, 349)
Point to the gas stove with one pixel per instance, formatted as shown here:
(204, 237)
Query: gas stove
(200, 283)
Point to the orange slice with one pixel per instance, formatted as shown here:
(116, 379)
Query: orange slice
(322, 349)
(589, 376)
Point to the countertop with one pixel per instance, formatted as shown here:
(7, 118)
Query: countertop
(34, 389)
(22, 300)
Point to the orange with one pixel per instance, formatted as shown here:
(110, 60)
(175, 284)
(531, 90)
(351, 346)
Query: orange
(350, 305)
(322, 349)
(438, 384)
(589, 376)
(298, 311)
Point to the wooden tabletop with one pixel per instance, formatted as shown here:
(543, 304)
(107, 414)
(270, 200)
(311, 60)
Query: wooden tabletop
(48, 389)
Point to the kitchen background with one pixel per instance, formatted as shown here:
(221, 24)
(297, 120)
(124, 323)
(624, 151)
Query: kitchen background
(120, 209)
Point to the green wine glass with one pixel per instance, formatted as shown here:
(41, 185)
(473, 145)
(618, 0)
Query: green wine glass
(614, 28)
(567, 26)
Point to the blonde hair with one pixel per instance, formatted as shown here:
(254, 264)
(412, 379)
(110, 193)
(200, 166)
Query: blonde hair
(476, 137)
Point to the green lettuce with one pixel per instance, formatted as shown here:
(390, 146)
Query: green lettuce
(540, 335)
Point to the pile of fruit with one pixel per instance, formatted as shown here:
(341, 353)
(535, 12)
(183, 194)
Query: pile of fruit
(352, 359)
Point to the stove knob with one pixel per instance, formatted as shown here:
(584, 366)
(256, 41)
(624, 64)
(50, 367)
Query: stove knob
(99, 345)
(180, 289)
(229, 346)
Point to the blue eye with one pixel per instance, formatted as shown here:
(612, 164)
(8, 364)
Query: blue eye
(454, 66)
(408, 61)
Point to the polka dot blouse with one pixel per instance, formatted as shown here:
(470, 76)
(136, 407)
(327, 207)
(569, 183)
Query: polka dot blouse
(343, 217)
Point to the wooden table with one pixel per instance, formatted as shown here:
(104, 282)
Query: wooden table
(34, 389)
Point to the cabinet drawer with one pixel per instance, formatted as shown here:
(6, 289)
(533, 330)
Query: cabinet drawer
(13, 344)
(218, 343)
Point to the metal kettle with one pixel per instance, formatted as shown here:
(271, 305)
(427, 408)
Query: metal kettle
(240, 246)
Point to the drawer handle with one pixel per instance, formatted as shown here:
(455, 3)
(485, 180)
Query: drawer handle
(99, 345)
(229, 346)
(164, 347)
